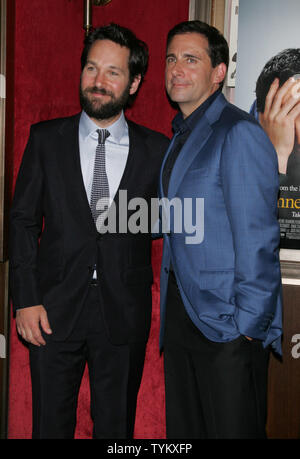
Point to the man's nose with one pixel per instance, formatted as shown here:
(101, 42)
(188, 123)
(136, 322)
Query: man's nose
(177, 68)
(99, 79)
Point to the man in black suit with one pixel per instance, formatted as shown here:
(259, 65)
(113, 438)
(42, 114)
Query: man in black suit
(82, 294)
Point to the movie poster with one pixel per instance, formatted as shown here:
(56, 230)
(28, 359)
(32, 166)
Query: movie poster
(269, 50)
(289, 202)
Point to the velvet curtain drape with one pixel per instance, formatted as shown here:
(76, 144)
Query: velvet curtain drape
(48, 38)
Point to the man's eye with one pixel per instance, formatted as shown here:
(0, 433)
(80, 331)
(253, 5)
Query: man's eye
(191, 60)
(170, 60)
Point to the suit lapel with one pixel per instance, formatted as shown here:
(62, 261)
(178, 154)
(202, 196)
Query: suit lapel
(135, 147)
(188, 153)
(161, 190)
(194, 144)
(68, 158)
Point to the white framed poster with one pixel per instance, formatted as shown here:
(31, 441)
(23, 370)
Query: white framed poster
(232, 38)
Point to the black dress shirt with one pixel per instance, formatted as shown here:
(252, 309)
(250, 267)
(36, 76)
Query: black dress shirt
(183, 127)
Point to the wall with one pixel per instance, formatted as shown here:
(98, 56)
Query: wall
(47, 47)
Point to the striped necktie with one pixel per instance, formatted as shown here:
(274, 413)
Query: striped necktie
(100, 187)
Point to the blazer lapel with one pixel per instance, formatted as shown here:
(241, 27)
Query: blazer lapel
(68, 158)
(135, 148)
(189, 151)
(161, 191)
(129, 179)
(195, 143)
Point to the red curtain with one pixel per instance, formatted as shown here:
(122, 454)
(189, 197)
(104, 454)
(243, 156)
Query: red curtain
(47, 46)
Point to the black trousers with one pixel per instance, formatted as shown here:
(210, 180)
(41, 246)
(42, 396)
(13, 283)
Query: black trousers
(114, 371)
(213, 390)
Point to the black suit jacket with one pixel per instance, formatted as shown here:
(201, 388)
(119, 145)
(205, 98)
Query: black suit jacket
(54, 243)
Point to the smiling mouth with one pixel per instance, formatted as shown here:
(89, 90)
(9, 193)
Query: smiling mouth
(98, 92)
(178, 84)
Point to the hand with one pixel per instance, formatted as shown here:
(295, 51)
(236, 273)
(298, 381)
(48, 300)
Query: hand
(282, 107)
(29, 323)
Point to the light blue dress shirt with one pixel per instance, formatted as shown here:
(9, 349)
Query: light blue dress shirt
(116, 152)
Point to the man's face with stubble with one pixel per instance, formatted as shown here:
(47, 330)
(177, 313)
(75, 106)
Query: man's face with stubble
(105, 84)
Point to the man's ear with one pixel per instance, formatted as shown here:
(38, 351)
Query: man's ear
(220, 73)
(135, 84)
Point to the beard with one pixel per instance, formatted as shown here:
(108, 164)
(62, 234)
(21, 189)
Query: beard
(98, 110)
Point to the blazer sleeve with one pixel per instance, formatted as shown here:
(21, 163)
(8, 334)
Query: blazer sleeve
(249, 174)
(26, 219)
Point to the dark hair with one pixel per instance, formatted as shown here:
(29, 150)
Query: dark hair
(218, 50)
(284, 65)
(138, 58)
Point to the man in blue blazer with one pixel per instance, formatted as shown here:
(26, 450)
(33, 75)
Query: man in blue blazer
(220, 284)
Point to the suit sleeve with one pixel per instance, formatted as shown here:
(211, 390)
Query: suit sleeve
(26, 220)
(249, 174)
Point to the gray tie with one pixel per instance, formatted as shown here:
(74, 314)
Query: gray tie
(100, 187)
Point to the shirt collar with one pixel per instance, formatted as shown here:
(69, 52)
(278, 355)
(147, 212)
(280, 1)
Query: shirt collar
(182, 125)
(117, 130)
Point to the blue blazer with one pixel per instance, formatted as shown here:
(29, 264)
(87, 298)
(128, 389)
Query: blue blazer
(230, 282)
